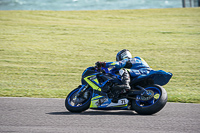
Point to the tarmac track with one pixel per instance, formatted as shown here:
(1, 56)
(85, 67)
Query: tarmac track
(43, 115)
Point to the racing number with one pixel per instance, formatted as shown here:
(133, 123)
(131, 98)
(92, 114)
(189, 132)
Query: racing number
(123, 101)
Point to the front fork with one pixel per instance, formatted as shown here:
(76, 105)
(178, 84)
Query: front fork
(82, 90)
(81, 95)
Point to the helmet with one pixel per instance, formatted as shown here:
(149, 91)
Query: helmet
(123, 54)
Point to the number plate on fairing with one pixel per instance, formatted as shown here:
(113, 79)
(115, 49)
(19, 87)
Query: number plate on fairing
(105, 102)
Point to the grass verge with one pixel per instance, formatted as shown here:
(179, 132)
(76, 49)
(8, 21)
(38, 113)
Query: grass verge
(43, 53)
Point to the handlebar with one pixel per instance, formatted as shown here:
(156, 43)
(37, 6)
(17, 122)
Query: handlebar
(102, 69)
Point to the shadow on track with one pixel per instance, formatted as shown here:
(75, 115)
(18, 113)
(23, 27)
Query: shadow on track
(101, 112)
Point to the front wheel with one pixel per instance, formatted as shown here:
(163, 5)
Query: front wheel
(153, 105)
(75, 103)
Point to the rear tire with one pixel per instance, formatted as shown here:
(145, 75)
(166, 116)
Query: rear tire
(153, 105)
(81, 106)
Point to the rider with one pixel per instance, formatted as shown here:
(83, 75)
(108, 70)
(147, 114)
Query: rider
(137, 66)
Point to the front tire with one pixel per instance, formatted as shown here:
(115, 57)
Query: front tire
(153, 105)
(79, 104)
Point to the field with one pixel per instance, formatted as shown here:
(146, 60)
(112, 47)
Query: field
(43, 53)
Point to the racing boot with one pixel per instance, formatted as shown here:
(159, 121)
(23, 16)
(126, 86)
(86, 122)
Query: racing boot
(117, 90)
(120, 89)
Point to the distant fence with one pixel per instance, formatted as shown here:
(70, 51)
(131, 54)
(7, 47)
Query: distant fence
(191, 3)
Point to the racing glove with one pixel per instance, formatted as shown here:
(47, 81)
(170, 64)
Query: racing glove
(100, 64)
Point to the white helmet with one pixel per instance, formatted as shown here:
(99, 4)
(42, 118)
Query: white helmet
(123, 54)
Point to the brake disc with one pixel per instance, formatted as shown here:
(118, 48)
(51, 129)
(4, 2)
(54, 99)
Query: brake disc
(77, 100)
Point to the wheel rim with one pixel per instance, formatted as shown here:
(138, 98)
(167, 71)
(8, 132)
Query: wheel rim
(156, 97)
(75, 101)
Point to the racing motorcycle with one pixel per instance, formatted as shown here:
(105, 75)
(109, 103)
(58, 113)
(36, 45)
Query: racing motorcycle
(146, 97)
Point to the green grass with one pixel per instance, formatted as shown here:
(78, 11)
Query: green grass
(43, 53)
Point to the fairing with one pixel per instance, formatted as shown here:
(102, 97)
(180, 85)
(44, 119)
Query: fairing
(159, 77)
(100, 100)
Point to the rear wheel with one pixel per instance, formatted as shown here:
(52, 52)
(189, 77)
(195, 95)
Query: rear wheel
(75, 103)
(153, 105)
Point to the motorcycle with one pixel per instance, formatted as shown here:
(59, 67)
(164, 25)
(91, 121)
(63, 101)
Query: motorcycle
(146, 97)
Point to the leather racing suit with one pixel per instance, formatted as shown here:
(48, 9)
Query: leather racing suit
(137, 66)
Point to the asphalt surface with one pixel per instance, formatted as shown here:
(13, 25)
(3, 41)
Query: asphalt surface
(33, 115)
